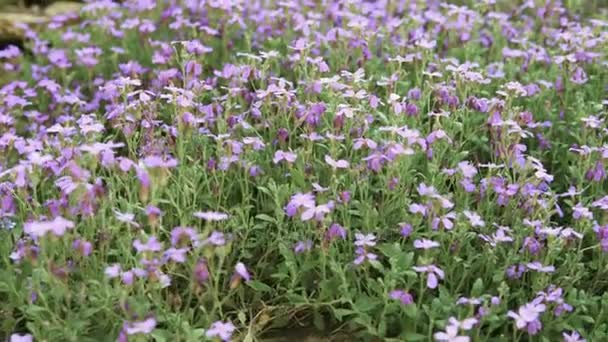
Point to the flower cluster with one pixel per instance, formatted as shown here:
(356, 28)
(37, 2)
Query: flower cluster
(398, 170)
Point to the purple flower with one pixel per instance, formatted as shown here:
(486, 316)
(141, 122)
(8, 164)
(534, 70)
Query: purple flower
(57, 226)
(466, 324)
(516, 271)
(344, 197)
(184, 235)
(537, 266)
(153, 211)
(152, 245)
(142, 327)
(363, 255)
(128, 277)
(335, 231)
(221, 330)
(414, 94)
(528, 316)
(241, 271)
(365, 240)
(534, 327)
(403, 296)
(201, 271)
(317, 212)
(176, 254)
(579, 211)
(499, 237)
(83, 247)
(468, 301)
(573, 337)
(474, 218)
(112, 271)
(468, 170)
(579, 76)
(128, 218)
(433, 272)
(416, 208)
(211, 215)
(406, 230)
(425, 244)
(532, 245)
(303, 246)
(450, 335)
(21, 338)
(299, 200)
(597, 173)
(336, 164)
(159, 162)
(216, 238)
(279, 156)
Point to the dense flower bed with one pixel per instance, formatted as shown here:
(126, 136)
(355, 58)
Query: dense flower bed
(397, 170)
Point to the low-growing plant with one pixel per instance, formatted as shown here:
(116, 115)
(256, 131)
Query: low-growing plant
(227, 170)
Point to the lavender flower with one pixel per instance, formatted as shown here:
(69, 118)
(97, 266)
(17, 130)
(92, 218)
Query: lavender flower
(363, 255)
(335, 231)
(336, 164)
(303, 246)
(112, 271)
(57, 226)
(151, 245)
(433, 272)
(425, 244)
(527, 317)
(279, 156)
(142, 327)
(367, 240)
(21, 338)
(403, 296)
(221, 330)
(573, 337)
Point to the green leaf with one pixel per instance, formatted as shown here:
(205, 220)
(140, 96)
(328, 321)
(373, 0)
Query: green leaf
(318, 321)
(411, 336)
(477, 288)
(259, 286)
(266, 218)
(160, 335)
(341, 313)
(411, 311)
(366, 304)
